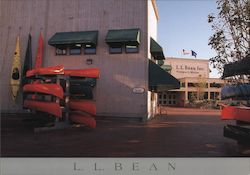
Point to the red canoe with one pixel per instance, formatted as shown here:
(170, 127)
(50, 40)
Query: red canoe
(236, 113)
(52, 70)
(83, 119)
(83, 105)
(48, 107)
(52, 89)
(88, 73)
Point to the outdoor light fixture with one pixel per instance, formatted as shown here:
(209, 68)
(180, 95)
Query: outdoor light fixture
(89, 61)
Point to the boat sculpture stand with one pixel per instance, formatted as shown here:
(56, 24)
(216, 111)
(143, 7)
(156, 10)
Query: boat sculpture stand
(67, 95)
(241, 114)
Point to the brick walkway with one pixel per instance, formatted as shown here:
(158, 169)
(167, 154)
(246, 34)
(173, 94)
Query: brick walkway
(180, 133)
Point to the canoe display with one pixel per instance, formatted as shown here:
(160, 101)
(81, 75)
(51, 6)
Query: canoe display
(83, 119)
(15, 71)
(73, 87)
(83, 105)
(235, 91)
(236, 113)
(52, 89)
(48, 107)
(241, 67)
(90, 73)
(39, 54)
(52, 70)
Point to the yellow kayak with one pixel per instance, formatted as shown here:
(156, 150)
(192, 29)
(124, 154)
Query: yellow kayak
(15, 71)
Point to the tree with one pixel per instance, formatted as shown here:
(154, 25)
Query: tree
(201, 86)
(231, 38)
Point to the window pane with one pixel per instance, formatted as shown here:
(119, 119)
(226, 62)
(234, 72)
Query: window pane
(75, 49)
(61, 51)
(164, 96)
(89, 49)
(115, 49)
(131, 49)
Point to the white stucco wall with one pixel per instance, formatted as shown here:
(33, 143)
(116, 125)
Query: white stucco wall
(152, 32)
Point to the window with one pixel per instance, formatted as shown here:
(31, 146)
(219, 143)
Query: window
(75, 49)
(115, 49)
(215, 85)
(191, 84)
(89, 49)
(164, 96)
(131, 48)
(61, 51)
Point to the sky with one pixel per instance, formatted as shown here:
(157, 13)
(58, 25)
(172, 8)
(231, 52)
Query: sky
(183, 25)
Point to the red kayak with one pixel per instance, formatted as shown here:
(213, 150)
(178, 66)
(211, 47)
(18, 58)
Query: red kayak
(236, 113)
(83, 119)
(39, 54)
(83, 105)
(88, 73)
(49, 107)
(52, 89)
(52, 70)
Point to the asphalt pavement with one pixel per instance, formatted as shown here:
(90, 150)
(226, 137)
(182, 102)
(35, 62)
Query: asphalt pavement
(178, 132)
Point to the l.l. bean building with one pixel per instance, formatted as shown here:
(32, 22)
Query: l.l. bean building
(117, 36)
(193, 75)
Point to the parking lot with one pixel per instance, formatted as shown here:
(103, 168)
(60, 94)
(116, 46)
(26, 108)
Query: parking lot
(178, 132)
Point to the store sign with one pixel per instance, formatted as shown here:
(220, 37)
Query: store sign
(194, 69)
(138, 90)
(189, 69)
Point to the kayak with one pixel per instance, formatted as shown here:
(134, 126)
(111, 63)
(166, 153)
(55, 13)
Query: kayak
(52, 89)
(90, 73)
(236, 113)
(52, 70)
(15, 71)
(39, 54)
(83, 119)
(83, 105)
(27, 61)
(48, 107)
(235, 91)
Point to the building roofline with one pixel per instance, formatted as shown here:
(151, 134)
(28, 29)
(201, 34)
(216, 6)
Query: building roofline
(155, 9)
(192, 59)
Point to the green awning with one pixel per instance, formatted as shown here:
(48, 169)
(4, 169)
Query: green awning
(156, 50)
(67, 38)
(160, 80)
(241, 67)
(130, 36)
